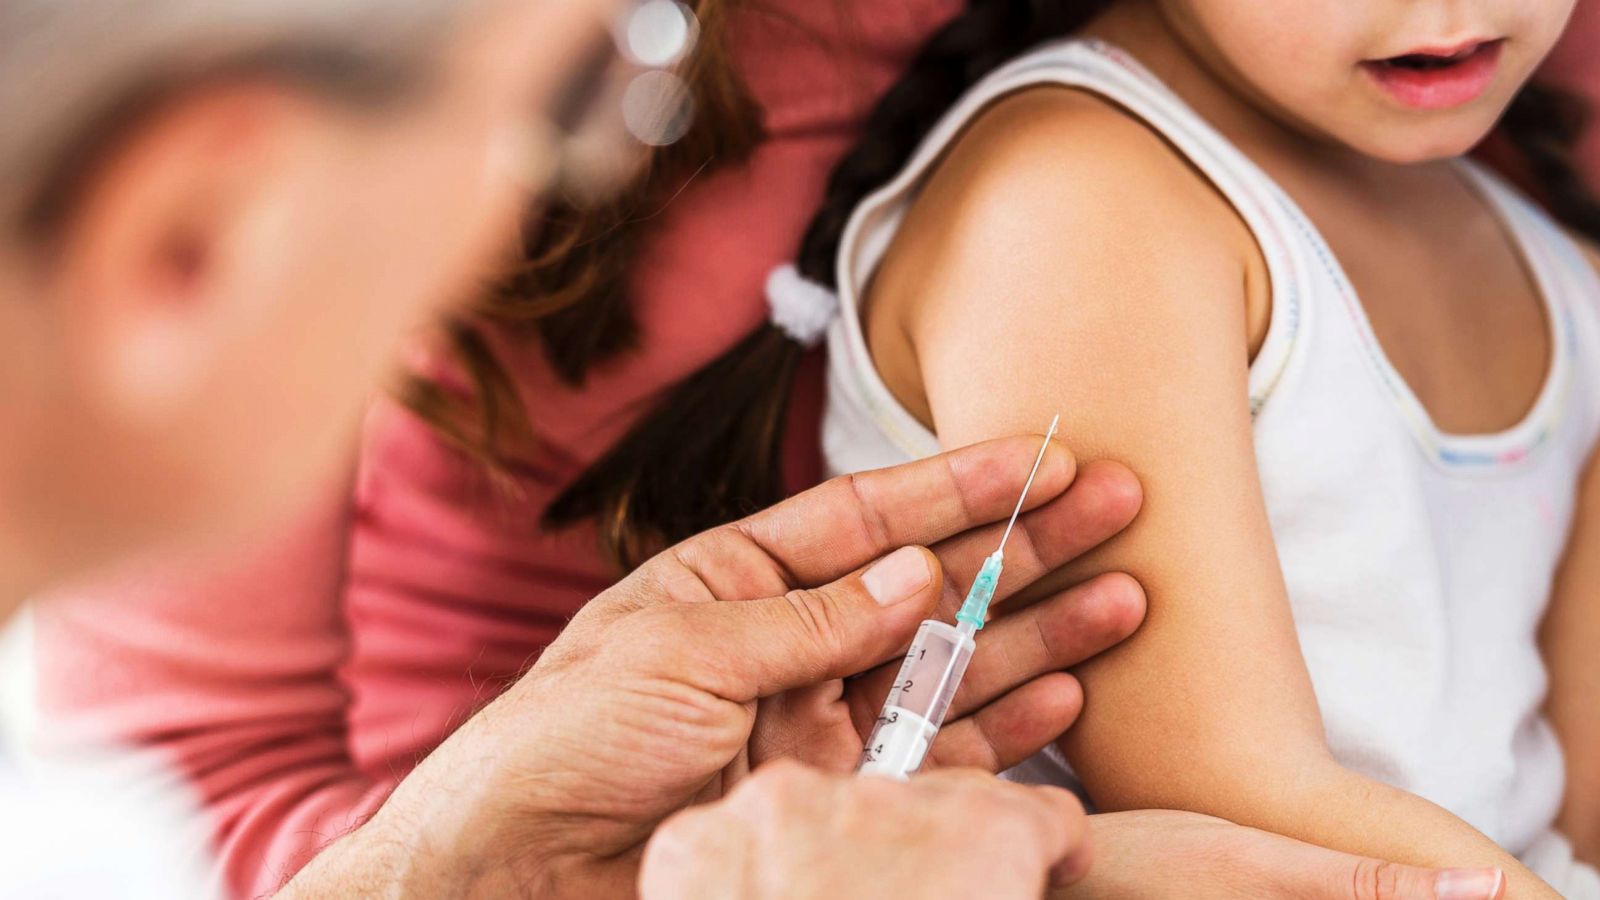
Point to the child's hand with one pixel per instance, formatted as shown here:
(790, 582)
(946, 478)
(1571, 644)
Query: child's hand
(1135, 854)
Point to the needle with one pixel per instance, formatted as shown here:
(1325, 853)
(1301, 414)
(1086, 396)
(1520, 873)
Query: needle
(1037, 460)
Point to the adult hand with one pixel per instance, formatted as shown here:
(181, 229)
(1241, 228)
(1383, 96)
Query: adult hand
(648, 700)
(1161, 853)
(794, 832)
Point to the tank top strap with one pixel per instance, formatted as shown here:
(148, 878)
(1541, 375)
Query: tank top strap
(1570, 286)
(1554, 259)
(1108, 72)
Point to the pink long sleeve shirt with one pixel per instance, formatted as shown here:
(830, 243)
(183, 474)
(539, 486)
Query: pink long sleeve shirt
(296, 684)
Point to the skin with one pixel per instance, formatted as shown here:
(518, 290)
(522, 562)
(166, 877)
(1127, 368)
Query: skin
(1028, 840)
(726, 636)
(1167, 288)
(154, 359)
(234, 282)
(1568, 637)
(730, 647)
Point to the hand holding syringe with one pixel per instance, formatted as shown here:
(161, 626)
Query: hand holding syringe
(934, 665)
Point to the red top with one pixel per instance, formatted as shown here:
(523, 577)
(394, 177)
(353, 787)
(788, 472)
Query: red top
(296, 687)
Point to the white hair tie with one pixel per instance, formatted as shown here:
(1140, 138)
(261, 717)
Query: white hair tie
(801, 308)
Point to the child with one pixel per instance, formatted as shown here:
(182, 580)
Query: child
(1234, 246)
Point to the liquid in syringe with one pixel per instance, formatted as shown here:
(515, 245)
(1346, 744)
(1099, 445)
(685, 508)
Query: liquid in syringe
(933, 667)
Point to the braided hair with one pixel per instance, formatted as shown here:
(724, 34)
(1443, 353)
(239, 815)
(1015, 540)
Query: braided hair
(1544, 124)
(709, 451)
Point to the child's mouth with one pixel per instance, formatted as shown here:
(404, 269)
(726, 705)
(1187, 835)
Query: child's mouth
(1438, 79)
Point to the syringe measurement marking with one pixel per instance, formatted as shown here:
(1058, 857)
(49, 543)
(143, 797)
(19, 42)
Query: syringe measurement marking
(899, 743)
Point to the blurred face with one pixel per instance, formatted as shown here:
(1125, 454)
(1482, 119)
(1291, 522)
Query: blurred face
(1398, 80)
(196, 355)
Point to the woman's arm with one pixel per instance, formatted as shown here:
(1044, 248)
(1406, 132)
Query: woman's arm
(1063, 259)
(295, 682)
(231, 678)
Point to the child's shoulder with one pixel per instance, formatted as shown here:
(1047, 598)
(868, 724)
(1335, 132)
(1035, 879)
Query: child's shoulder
(1059, 157)
(1052, 193)
(1069, 189)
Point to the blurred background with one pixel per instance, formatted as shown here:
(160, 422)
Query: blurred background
(16, 688)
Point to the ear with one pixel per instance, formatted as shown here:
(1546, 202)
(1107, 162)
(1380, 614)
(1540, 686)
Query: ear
(154, 260)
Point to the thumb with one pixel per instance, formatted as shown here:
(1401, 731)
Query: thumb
(1376, 880)
(806, 637)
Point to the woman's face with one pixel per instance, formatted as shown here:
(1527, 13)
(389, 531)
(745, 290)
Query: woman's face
(1398, 80)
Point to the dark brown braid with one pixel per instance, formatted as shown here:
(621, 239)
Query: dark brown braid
(1544, 125)
(709, 451)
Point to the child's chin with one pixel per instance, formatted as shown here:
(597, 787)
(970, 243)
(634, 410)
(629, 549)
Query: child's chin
(1424, 143)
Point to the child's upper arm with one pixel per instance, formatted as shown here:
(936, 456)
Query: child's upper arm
(1066, 260)
(1570, 635)
(1063, 258)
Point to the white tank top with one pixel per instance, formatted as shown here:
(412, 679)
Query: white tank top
(1418, 563)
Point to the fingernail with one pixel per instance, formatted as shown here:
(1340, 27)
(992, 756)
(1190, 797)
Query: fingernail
(898, 576)
(1468, 884)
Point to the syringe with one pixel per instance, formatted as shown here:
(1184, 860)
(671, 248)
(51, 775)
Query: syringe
(934, 665)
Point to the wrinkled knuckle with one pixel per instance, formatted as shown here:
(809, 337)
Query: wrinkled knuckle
(817, 616)
(872, 521)
(655, 620)
(986, 751)
(1375, 880)
(645, 637)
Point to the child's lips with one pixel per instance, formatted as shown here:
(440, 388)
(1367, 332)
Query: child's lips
(1438, 79)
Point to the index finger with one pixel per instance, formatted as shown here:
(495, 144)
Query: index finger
(843, 524)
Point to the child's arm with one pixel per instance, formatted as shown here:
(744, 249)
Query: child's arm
(1570, 636)
(1063, 259)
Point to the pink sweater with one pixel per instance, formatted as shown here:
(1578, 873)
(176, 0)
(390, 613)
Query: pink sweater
(296, 685)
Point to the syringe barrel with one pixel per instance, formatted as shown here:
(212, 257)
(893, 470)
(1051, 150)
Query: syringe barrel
(918, 701)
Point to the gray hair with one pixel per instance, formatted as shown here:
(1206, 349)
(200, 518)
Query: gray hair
(72, 71)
